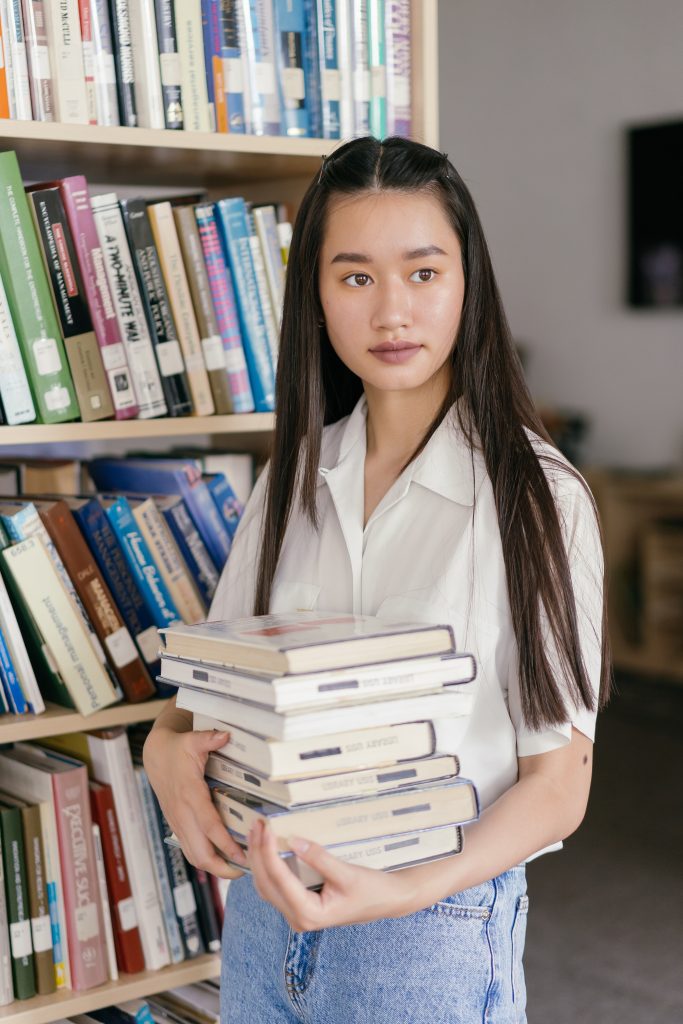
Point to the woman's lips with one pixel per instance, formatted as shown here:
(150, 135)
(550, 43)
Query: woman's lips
(395, 351)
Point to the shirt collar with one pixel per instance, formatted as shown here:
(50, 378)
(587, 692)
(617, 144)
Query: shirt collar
(447, 465)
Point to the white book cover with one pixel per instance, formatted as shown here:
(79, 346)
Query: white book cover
(112, 763)
(272, 326)
(66, 55)
(345, 74)
(148, 95)
(18, 653)
(120, 271)
(104, 64)
(104, 903)
(266, 229)
(88, 51)
(17, 64)
(14, 388)
(188, 23)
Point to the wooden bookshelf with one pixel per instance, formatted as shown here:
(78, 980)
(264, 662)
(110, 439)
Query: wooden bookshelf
(42, 1009)
(244, 424)
(56, 720)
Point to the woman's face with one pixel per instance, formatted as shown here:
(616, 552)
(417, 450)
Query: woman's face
(391, 286)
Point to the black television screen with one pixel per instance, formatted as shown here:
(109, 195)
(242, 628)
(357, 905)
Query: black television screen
(655, 161)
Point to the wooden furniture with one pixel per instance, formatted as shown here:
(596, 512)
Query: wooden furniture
(259, 168)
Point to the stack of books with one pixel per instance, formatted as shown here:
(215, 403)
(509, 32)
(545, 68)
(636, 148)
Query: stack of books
(331, 736)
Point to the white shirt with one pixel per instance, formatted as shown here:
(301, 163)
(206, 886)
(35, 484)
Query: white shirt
(430, 552)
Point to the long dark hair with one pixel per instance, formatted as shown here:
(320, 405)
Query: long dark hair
(315, 388)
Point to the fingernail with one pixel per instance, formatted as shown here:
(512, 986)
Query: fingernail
(239, 856)
(299, 845)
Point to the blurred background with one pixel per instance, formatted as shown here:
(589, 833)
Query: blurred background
(566, 121)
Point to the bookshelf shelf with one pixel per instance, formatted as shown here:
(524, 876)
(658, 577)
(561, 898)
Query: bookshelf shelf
(129, 430)
(56, 720)
(42, 1009)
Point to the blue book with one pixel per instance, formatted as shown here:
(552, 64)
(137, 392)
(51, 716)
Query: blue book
(211, 33)
(229, 507)
(290, 31)
(312, 69)
(231, 52)
(167, 476)
(190, 544)
(10, 681)
(108, 553)
(233, 228)
(140, 561)
(328, 64)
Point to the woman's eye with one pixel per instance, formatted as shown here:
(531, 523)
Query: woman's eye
(357, 280)
(424, 274)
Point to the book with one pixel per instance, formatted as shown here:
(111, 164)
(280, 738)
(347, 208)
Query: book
(229, 507)
(5, 112)
(15, 393)
(399, 58)
(233, 65)
(257, 38)
(119, 11)
(76, 197)
(169, 62)
(266, 228)
(338, 752)
(49, 476)
(223, 295)
(448, 703)
(360, 65)
(206, 912)
(127, 941)
(343, 13)
(14, 641)
(190, 545)
(17, 63)
(188, 20)
(325, 788)
(289, 51)
(238, 467)
(148, 94)
(213, 65)
(312, 68)
(173, 269)
(6, 985)
(38, 57)
(451, 802)
(271, 322)
(306, 641)
(61, 263)
(200, 290)
(27, 781)
(157, 308)
(66, 58)
(16, 890)
(378, 68)
(103, 63)
(112, 966)
(13, 695)
(328, 62)
(30, 304)
(88, 51)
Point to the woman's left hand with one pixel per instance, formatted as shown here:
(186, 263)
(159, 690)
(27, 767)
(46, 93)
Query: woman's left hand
(350, 895)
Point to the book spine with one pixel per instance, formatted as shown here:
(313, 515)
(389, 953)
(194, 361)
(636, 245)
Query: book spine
(260, 50)
(148, 93)
(289, 52)
(112, 967)
(127, 941)
(91, 260)
(10, 681)
(312, 43)
(119, 11)
(399, 113)
(193, 550)
(233, 65)
(6, 986)
(156, 847)
(5, 112)
(17, 650)
(130, 311)
(28, 294)
(188, 19)
(378, 69)
(328, 60)
(85, 14)
(271, 325)
(85, 927)
(41, 932)
(66, 57)
(173, 269)
(213, 68)
(225, 306)
(17, 46)
(229, 508)
(7, 55)
(16, 889)
(98, 602)
(182, 594)
(169, 62)
(40, 74)
(112, 763)
(343, 13)
(157, 309)
(104, 64)
(234, 231)
(207, 325)
(206, 912)
(14, 388)
(82, 350)
(109, 556)
(361, 67)
(266, 229)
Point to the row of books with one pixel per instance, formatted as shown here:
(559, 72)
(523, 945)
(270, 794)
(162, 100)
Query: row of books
(187, 1004)
(331, 732)
(134, 309)
(86, 582)
(90, 886)
(320, 68)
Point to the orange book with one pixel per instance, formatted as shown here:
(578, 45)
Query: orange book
(220, 106)
(4, 95)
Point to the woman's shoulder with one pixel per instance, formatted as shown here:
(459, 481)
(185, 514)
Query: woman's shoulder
(572, 494)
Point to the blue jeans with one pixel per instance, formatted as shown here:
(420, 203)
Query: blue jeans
(458, 962)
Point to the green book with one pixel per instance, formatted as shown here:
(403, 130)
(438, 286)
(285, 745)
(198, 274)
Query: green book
(18, 913)
(30, 302)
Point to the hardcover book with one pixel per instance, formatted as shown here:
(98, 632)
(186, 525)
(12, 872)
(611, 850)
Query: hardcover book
(148, 95)
(378, 69)
(397, 39)
(38, 57)
(104, 64)
(257, 36)
(18, 912)
(6, 985)
(15, 57)
(328, 61)
(169, 61)
(289, 50)
(17, 403)
(66, 57)
(190, 545)
(233, 65)
(188, 20)
(88, 50)
(119, 11)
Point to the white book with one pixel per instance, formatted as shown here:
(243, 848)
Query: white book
(345, 75)
(189, 34)
(17, 62)
(30, 783)
(266, 229)
(6, 986)
(148, 96)
(66, 55)
(14, 388)
(104, 903)
(112, 763)
(104, 64)
(272, 325)
(322, 689)
(361, 67)
(38, 58)
(18, 652)
(120, 271)
(451, 703)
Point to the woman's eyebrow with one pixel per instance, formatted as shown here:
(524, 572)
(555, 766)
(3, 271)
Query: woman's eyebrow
(410, 254)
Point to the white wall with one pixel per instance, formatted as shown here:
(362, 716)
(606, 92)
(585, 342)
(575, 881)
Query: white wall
(533, 97)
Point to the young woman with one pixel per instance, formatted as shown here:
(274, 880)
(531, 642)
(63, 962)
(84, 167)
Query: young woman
(412, 479)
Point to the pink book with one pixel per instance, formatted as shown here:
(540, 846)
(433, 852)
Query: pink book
(76, 199)
(83, 910)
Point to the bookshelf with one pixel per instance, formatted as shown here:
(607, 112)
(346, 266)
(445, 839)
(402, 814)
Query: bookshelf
(260, 169)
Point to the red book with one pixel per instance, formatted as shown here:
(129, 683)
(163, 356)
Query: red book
(129, 954)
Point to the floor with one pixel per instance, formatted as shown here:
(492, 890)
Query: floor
(605, 934)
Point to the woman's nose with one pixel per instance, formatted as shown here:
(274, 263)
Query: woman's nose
(392, 307)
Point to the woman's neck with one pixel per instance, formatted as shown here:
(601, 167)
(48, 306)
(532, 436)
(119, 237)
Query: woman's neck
(398, 420)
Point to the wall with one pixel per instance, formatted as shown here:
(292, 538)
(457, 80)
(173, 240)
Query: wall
(533, 98)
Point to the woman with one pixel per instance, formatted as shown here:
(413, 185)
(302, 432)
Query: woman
(411, 478)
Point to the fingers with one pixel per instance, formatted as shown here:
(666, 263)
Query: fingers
(276, 883)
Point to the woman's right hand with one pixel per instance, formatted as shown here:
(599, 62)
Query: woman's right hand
(174, 762)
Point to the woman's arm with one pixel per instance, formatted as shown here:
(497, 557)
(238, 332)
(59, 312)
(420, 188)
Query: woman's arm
(545, 805)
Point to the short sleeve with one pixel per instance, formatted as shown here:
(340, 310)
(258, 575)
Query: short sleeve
(234, 597)
(584, 550)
